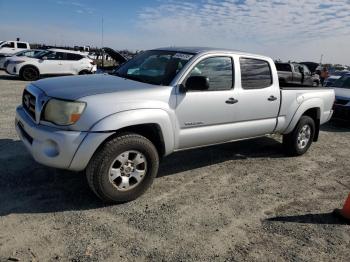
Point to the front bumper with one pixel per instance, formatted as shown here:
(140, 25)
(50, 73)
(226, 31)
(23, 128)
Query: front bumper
(11, 69)
(54, 147)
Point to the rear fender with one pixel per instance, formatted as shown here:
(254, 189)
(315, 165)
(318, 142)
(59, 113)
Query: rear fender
(304, 106)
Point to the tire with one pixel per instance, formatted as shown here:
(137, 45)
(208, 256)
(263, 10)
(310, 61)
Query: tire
(110, 161)
(84, 72)
(300, 139)
(29, 73)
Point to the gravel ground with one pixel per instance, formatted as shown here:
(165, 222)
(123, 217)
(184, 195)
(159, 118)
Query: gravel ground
(238, 201)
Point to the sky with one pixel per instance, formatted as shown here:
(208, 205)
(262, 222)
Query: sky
(298, 30)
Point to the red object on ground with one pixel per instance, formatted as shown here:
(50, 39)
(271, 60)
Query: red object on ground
(345, 212)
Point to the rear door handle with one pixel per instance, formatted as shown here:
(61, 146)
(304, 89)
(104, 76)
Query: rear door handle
(231, 101)
(272, 98)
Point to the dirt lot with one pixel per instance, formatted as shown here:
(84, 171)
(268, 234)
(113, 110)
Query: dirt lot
(239, 201)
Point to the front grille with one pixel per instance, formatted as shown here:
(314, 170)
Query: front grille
(28, 102)
(341, 101)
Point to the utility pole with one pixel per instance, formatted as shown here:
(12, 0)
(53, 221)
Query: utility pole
(102, 44)
(321, 59)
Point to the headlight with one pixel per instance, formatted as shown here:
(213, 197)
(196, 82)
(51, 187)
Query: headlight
(62, 112)
(15, 62)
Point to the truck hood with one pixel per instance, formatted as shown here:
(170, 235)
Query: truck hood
(75, 87)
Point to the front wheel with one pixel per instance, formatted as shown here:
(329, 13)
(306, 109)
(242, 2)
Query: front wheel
(300, 139)
(123, 169)
(29, 73)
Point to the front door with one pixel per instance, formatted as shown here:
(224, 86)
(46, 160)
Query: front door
(205, 117)
(52, 64)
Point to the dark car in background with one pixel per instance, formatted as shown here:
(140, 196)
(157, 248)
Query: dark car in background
(342, 98)
(334, 77)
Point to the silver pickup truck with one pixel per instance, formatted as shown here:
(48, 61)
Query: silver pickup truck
(117, 127)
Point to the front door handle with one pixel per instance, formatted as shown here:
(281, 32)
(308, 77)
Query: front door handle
(231, 101)
(272, 98)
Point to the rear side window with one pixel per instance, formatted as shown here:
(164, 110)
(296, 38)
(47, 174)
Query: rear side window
(255, 73)
(21, 45)
(283, 67)
(74, 57)
(218, 70)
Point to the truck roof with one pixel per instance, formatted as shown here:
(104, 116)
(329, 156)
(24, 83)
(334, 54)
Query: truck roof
(203, 50)
(66, 51)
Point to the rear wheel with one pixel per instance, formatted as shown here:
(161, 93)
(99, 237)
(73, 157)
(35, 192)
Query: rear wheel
(29, 73)
(123, 169)
(84, 72)
(300, 139)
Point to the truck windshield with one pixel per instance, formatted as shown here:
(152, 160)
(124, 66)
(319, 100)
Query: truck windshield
(343, 82)
(154, 67)
(41, 54)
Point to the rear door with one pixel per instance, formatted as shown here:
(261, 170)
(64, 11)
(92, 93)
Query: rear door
(73, 63)
(259, 97)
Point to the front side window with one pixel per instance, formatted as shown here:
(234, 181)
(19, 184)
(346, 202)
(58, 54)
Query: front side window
(255, 73)
(9, 44)
(54, 55)
(154, 67)
(219, 71)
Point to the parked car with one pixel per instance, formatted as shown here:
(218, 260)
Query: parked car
(294, 74)
(28, 53)
(110, 66)
(334, 77)
(11, 47)
(51, 62)
(342, 98)
(162, 101)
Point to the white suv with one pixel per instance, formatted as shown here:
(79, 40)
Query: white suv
(51, 62)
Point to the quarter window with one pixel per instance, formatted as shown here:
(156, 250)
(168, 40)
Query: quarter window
(256, 73)
(218, 70)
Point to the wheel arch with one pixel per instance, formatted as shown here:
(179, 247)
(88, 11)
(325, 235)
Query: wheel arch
(312, 108)
(155, 125)
(28, 65)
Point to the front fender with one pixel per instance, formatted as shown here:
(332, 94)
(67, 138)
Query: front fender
(303, 107)
(129, 118)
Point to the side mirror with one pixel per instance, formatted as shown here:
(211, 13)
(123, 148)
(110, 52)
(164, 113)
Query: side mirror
(199, 83)
(44, 58)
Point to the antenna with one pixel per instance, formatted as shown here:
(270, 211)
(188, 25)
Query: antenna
(102, 44)
(321, 59)
(102, 34)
